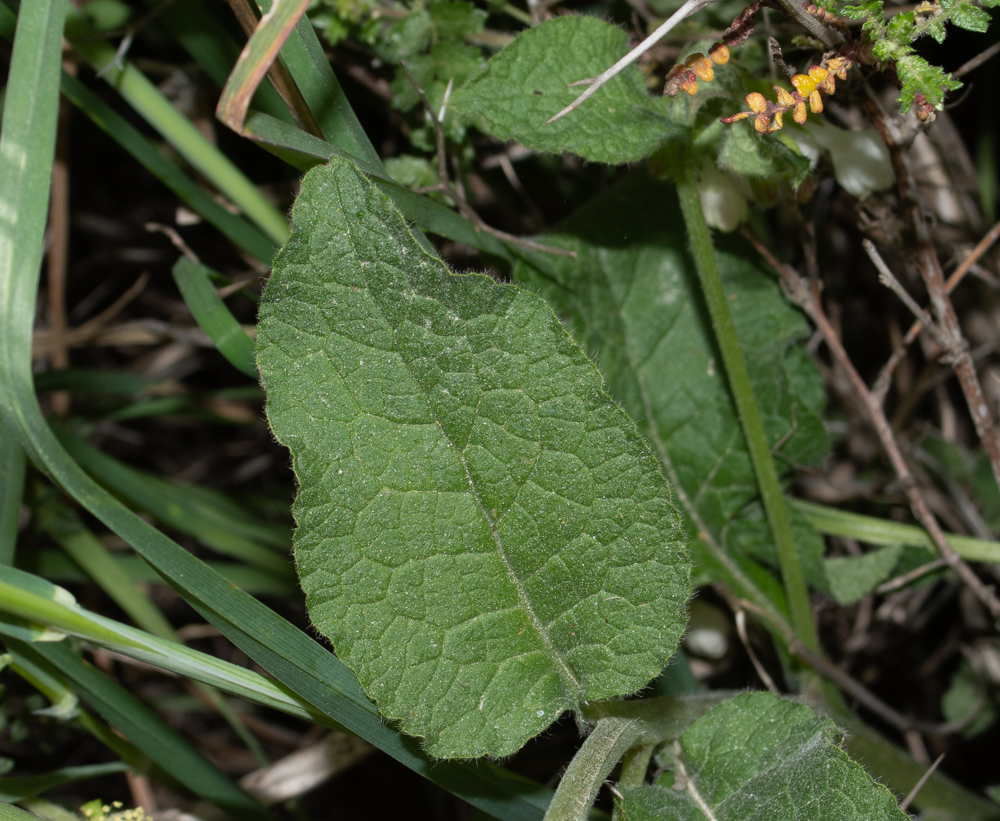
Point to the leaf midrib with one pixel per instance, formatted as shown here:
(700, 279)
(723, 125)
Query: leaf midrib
(570, 682)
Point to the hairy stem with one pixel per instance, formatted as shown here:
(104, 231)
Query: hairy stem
(593, 762)
(746, 404)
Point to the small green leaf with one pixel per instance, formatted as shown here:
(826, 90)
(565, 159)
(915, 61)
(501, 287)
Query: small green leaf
(919, 76)
(852, 577)
(870, 8)
(481, 531)
(406, 38)
(935, 28)
(743, 151)
(758, 756)
(965, 695)
(529, 81)
(967, 16)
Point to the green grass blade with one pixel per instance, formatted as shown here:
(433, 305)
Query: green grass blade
(320, 679)
(308, 64)
(150, 103)
(237, 229)
(224, 528)
(255, 62)
(17, 789)
(305, 151)
(12, 484)
(245, 235)
(58, 567)
(100, 565)
(872, 530)
(9, 813)
(31, 608)
(212, 315)
(144, 728)
(27, 142)
(83, 380)
(198, 28)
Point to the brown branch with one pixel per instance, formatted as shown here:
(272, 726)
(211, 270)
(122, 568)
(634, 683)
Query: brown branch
(882, 383)
(850, 685)
(58, 257)
(956, 352)
(976, 61)
(806, 296)
(445, 187)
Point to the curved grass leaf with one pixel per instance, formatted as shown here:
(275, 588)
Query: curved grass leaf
(481, 531)
(140, 725)
(11, 813)
(632, 298)
(212, 315)
(12, 481)
(19, 788)
(758, 756)
(529, 81)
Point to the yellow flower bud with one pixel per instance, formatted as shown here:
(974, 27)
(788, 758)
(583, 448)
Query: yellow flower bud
(804, 84)
(701, 66)
(719, 54)
(784, 98)
(757, 102)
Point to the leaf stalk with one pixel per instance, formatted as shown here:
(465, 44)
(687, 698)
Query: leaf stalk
(682, 159)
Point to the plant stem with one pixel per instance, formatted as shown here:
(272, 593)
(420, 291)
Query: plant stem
(634, 766)
(746, 405)
(604, 747)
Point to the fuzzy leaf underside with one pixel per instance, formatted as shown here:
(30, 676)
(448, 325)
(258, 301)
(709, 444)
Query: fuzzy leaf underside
(757, 757)
(482, 532)
(529, 81)
(632, 300)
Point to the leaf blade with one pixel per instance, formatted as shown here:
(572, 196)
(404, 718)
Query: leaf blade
(459, 444)
(759, 756)
(522, 87)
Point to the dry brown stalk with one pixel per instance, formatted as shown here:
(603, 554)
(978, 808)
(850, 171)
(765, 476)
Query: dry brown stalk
(806, 296)
(925, 257)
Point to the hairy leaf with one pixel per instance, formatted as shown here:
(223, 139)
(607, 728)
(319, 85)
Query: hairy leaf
(757, 756)
(529, 81)
(481, 531)
(632, 299)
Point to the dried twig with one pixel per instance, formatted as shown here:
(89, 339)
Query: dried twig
(806, 296)
(882, 383)
(445, 187)
(887, 278)
(855, 689)
(919, 785)
(956, 349)
(741, 630)
(976, 61)
(58, 256)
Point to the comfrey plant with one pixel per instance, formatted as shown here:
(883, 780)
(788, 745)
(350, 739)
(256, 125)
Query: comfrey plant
(509, 487)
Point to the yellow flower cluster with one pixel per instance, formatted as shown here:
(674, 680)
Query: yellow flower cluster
(684, 76)
(769, 116)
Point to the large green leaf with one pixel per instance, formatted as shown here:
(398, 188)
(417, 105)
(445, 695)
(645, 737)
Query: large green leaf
(631, 297)
(757, 756)
(529, 81)
(481, 531)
